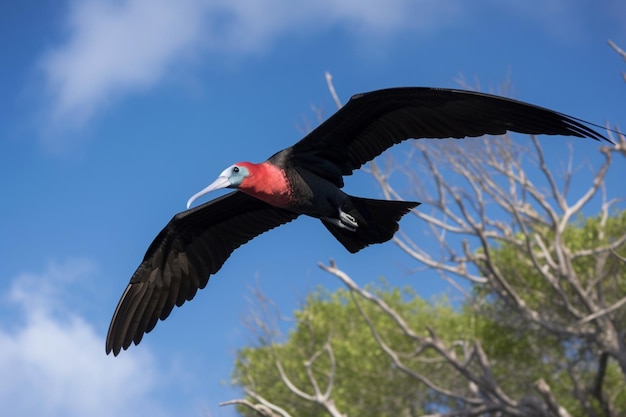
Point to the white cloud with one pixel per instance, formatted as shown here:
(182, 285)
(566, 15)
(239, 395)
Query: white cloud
(116, 47)
(52, 360)
(113, 47)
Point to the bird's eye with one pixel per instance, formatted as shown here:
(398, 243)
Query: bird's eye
(236, 170)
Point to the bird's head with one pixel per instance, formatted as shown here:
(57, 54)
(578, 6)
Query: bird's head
(231, 177)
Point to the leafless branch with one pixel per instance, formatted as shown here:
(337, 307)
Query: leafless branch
(544, 389)
(490, 394)
(331, 89)
(620, 52)
(269, 410)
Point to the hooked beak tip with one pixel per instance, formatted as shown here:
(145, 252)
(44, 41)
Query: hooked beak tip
(220, 182)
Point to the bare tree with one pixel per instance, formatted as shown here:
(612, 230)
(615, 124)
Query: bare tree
(483, 199)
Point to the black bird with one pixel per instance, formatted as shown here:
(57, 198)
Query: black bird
(307, 178)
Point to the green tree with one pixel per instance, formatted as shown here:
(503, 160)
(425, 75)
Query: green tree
(331, 350)
(384, 358)
(573, 338)
(539, 330)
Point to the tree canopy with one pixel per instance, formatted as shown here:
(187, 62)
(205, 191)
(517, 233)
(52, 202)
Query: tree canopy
(333, 349)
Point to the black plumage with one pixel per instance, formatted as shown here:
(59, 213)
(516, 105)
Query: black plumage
(197, 242)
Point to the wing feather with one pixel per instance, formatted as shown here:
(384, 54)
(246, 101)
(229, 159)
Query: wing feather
(372, 122)
(192, 246)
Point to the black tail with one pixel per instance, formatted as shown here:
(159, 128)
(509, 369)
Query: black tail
(377, 220)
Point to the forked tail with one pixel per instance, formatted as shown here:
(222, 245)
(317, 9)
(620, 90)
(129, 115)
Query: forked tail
(377, 222)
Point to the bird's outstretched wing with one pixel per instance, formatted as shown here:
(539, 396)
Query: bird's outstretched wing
(194, 245)
(372, 122)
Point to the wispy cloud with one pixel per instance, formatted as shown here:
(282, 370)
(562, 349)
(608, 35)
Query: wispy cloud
(53, 361)
(116, 47)
(113, 48)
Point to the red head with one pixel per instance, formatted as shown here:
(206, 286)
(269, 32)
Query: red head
(264, 181)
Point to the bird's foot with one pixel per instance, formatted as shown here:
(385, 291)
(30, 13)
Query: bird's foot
(338, 223)
(345, 221)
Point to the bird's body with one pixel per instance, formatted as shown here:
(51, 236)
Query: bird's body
(306, 179)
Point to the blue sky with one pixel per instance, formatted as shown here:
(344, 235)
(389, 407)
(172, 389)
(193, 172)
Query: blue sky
(113, 113)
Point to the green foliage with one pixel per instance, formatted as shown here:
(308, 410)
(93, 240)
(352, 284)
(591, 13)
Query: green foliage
(566, 362)
(367, 383)
(604, 274)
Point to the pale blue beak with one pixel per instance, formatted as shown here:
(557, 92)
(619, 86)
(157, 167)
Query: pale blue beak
(221, 182)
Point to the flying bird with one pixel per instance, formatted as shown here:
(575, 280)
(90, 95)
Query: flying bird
(306, 179)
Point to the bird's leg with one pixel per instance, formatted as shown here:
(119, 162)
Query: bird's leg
(345, 221)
